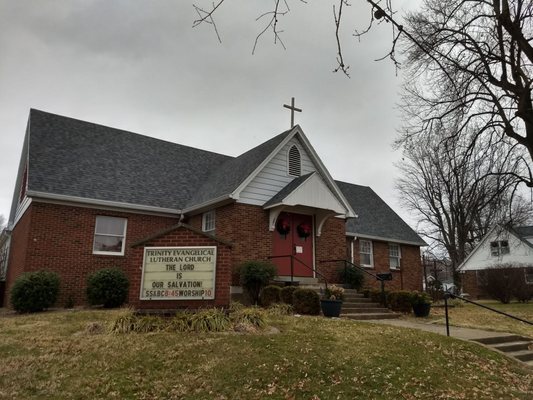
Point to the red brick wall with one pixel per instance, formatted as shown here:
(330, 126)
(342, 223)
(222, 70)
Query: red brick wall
(60, 238)
(246, 227)
(18, 251)
(331, 245)
(470, 286)
(409, 277)
(181, 237)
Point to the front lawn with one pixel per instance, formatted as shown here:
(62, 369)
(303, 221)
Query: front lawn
(471, 316)
(55, 356)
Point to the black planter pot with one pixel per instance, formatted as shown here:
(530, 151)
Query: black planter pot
(421, 310)
(331, 308)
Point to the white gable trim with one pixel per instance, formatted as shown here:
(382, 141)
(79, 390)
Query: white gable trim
(314, 157)
(384, 239)
(312, 186)
(480, 244)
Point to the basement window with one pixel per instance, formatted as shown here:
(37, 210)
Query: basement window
(294, 161)
(109, 235)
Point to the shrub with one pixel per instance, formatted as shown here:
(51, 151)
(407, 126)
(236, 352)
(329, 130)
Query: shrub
(251, 316)
(125, 322)
(210, 320)
(400, 301)
(501, 280)
(523, 291)
(180, 323)
(366, 293)
(108, 287)
(306, 301)
(417, 298)
(352, 276)
(270, 295)
(35, 291)
(286, 294)
(377, 297)
(255, 275)
(280, 309)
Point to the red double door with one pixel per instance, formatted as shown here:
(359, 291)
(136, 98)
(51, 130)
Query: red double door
(294, 236)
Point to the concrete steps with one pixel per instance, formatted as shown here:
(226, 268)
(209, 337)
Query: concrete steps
(356, 306)
(518, 347)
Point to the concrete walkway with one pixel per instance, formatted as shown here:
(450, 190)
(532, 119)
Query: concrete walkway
(455, 331)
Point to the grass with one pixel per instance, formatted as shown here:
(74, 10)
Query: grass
(56, 356)
(471, 316)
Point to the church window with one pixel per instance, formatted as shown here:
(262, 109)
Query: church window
(208, 221)
(365, 252)
(295, 161)
(394, 256)
(499, 248)
(109, 235)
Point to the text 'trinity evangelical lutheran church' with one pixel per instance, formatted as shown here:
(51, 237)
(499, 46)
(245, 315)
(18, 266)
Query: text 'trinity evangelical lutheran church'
(180, 220)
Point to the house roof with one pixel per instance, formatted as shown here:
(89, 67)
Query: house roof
(229, 175)
(524, 231)
(376, 220)
(80, 159)
(287, 190)
(74, 159)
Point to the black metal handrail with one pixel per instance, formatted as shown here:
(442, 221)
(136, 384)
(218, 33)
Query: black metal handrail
(447, 295)
(379, 278)
(292, 257)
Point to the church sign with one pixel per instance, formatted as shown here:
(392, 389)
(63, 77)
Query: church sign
(179, 273)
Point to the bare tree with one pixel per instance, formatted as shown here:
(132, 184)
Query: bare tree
(458, 191)
(479, 50)
(474, 57)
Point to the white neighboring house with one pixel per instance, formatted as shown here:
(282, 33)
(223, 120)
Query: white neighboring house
(501, 245)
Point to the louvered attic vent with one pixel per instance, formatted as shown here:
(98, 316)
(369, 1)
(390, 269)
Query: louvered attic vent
(295, 162)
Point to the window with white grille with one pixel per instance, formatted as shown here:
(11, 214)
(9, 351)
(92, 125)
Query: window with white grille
(499, 248)
(295, 161)
(208, 221)
(365, 253)
(394, 256)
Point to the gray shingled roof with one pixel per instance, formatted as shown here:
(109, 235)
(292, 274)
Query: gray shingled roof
(228, 176)
(291, 186)
(524, 231)
(77, 158)
(375, 217)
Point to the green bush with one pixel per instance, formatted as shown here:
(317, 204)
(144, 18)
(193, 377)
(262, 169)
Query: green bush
(376, 296)
(418, 298)
(306, 301)
(108, 287)
(400, 301)
(35, 291)
(254, 276)
(269, 295)
(352, 276)
(286, 294)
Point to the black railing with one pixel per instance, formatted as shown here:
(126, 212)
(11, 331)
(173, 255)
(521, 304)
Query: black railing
(447, 295)
(292, 257)
(379, 277)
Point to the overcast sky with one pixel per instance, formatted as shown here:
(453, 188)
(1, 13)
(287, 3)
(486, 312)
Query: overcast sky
(139, 65)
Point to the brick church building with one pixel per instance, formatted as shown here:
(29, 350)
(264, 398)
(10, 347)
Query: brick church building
(89, 197)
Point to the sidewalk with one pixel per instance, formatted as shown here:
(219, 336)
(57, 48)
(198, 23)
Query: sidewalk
(455, 331)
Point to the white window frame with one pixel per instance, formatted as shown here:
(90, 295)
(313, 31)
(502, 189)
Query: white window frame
(398, 256)
(529, 282)
(289, 161)
(123, 236)
(209, 221)
(361, 241)
(496, 251)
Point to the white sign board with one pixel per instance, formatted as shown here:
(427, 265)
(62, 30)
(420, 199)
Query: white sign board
(179, 273)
